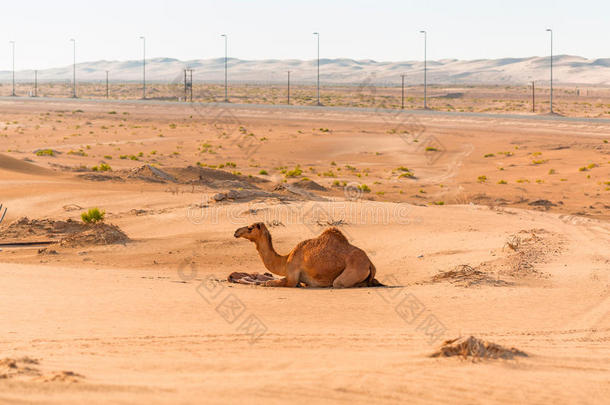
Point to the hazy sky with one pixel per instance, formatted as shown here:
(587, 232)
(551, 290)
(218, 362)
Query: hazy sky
(379, 30)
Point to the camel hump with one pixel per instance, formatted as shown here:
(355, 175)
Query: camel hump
(336, 233)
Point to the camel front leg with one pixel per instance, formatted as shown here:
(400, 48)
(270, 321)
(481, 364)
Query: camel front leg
(291, 280)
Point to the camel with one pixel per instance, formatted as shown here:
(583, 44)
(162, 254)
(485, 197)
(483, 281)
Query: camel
(328, 260)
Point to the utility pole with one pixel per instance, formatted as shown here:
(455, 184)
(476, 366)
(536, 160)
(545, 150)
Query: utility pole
(74, 69)
(13, 45)
(288, 102)
(402, 96)
(425, 68)
(35, 83)
(226, 68)
(188, 84)
(533, 97)
(143, 67)
(317, 34)
(551, 31)
(107, 90)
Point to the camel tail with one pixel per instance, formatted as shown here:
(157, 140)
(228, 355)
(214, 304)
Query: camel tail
(371, 281)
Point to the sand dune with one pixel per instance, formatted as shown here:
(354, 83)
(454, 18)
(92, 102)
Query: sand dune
(567, 69)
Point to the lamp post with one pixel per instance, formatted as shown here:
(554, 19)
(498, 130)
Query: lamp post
(551, 31)
(288, 101)
(317, 34)
(13, 45)
(143, 67)
(402, 94)
(226, 80)
(425, 68)
(74, 68)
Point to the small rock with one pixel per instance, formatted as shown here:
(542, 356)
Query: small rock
(219, 197)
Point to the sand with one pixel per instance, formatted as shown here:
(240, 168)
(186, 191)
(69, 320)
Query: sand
(154, 319)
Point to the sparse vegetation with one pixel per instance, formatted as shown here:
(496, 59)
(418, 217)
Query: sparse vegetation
(364, 188)
(297, 171)
(103, 167)
(45, 152)
(93, 216)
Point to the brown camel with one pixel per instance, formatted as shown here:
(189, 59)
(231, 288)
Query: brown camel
(328, 260)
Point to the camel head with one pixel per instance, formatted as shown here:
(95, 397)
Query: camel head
(252, 232)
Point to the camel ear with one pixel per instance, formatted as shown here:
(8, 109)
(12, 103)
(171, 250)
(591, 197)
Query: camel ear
(258, 226)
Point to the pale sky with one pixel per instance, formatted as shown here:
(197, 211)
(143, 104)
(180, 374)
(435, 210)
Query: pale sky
(266, 29)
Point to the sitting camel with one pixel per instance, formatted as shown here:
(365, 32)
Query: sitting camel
(328, 260)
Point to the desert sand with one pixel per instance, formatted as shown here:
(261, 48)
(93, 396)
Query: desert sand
(484, 226)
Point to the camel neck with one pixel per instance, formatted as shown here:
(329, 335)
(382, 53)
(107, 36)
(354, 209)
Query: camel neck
(274, 262)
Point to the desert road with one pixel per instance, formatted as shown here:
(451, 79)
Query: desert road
(309, 108)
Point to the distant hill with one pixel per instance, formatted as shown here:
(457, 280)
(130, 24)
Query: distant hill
(567, 69)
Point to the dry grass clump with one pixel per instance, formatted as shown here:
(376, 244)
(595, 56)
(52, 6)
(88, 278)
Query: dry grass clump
(96, 234)
(24, 366)
(476, 349)
(67, 233)
(467, 276)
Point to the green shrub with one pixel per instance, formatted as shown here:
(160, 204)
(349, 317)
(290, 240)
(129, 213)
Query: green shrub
(263, 172)
(364, 188)
(295, 172)
(102, 168)
(93, 216)
(45, 152)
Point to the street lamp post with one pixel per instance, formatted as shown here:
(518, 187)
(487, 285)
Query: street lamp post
(425, 68)
(288, 101)
(551, 31)
(226, 68)
(317, 34)
(402, 94)
(13, 45)
(143, 67)
(74, 69)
